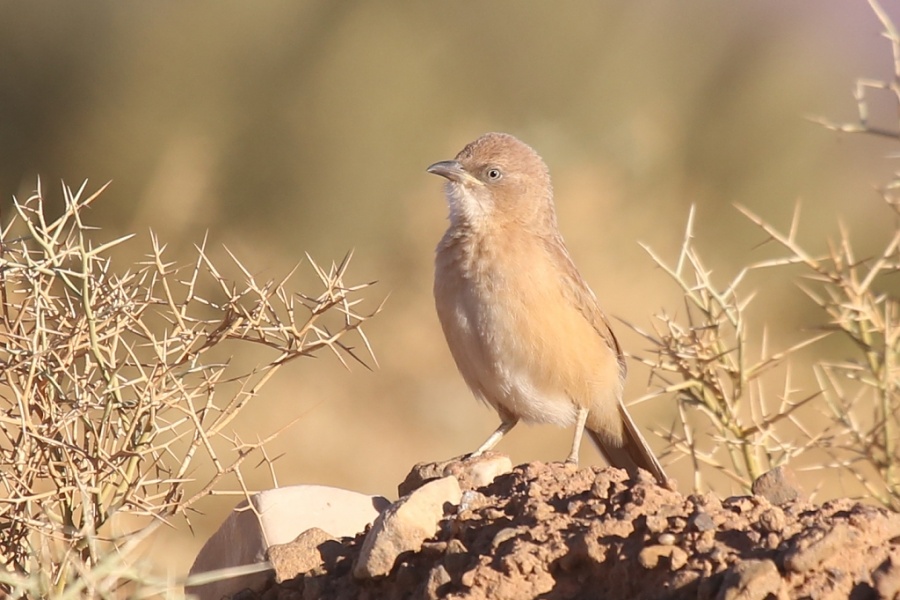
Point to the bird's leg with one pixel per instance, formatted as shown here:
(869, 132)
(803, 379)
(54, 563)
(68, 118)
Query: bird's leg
(505, 426)
(579, 431)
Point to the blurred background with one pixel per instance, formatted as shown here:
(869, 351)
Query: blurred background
(288, 127)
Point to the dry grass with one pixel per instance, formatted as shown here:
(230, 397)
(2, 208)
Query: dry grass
(117, 390)
(862, 391)
(751, 403)
(701, 357)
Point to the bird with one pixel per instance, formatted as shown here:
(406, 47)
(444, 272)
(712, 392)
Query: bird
(524, 329)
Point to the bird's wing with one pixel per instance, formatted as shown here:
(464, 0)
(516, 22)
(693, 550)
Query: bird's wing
(635, 451)
(581, 295)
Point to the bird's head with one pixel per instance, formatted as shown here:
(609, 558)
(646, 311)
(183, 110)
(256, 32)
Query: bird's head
(497, 179)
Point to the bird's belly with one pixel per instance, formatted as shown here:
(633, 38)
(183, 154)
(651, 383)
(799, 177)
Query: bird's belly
(522, 397)
(496, 352)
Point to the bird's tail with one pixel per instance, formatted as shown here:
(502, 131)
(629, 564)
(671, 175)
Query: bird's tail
(634, 452)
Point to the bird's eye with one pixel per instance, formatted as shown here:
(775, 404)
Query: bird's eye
(493, 174)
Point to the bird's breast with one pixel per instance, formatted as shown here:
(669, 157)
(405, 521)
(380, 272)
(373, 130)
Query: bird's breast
(500, 304)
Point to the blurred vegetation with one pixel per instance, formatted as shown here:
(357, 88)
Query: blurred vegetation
(282, 128)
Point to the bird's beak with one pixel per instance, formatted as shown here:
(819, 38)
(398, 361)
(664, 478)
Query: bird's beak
(452, 170)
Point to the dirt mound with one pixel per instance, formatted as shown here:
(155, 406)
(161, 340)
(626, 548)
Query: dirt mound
(559, 531)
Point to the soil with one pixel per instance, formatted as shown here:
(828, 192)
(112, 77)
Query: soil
(557, 531)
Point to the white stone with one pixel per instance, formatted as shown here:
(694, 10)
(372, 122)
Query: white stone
(277, 517)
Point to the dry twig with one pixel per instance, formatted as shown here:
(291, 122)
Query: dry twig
(113, 389)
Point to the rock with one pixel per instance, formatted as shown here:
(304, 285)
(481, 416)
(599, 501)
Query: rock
(701, 521)
(420, 474)
(472, 500)
(779, 486)
(887, 577)
(652, 557)
(817, 546)
(437, 578)
(311, 549)
(276, 517)
(751, 580)
(667, 539)
(471, 472)
(480, 471)
(404, 526)
(772, 520)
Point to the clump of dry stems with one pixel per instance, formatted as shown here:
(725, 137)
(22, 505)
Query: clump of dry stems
(862, 390)
(117, 392)
(702, 359)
